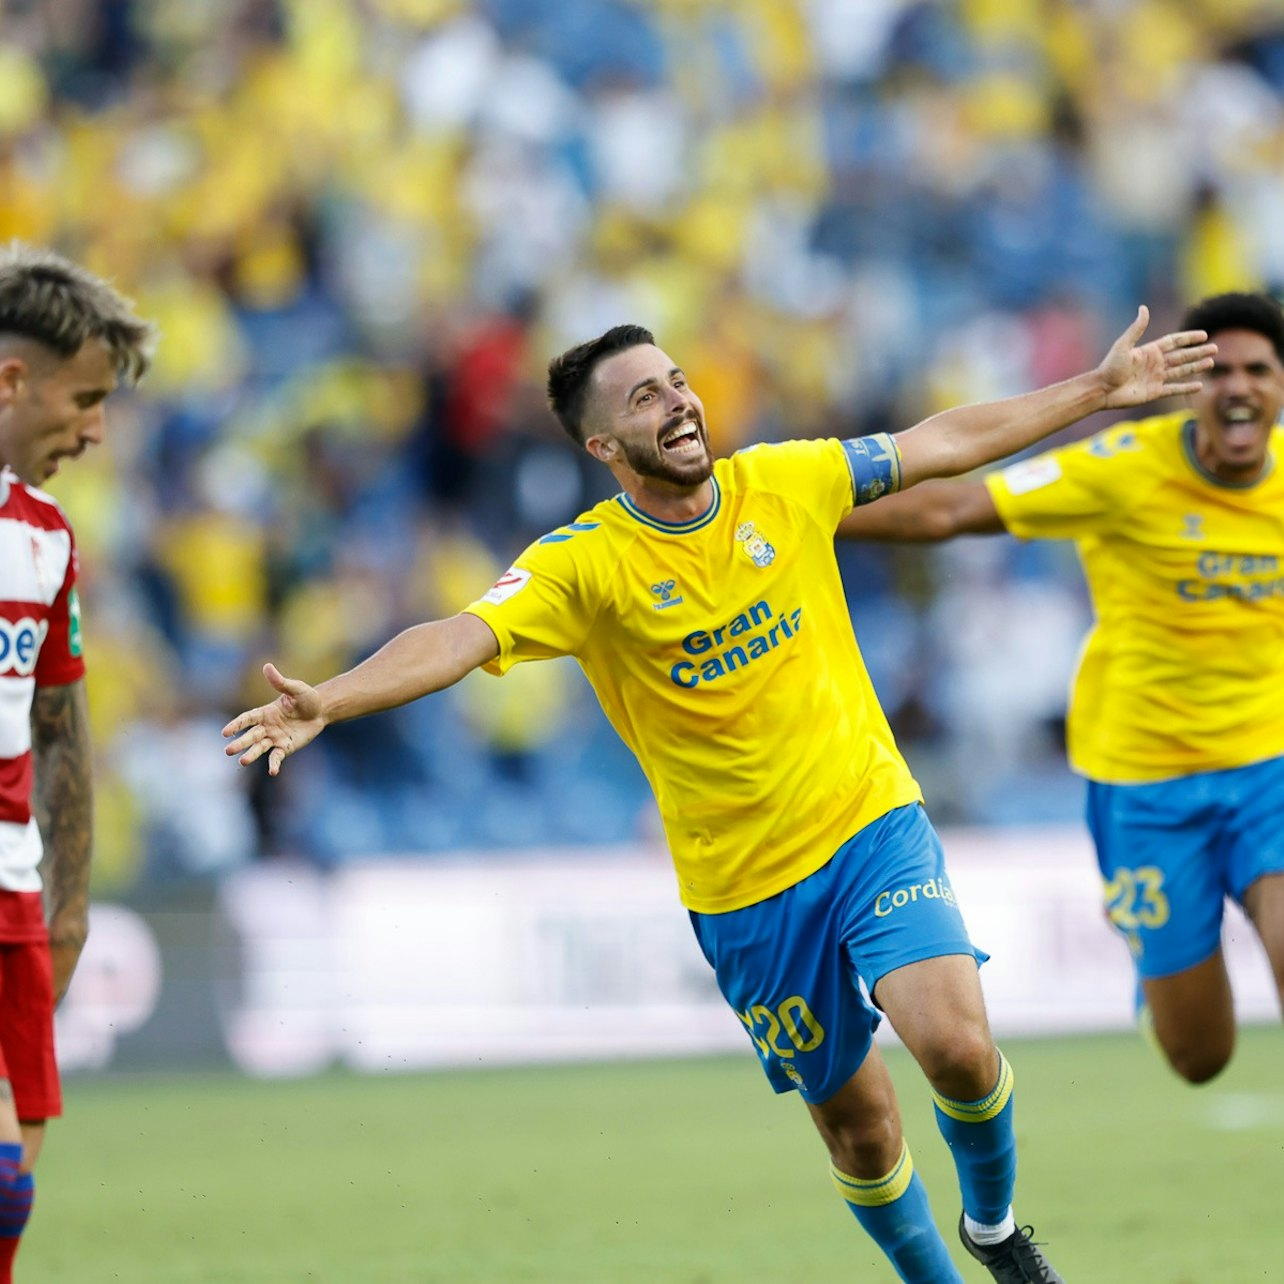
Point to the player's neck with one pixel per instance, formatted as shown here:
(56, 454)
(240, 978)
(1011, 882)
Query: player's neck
(1227, 472)
(670, 503)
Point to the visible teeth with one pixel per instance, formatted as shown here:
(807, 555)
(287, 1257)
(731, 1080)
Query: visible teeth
(1239, 416)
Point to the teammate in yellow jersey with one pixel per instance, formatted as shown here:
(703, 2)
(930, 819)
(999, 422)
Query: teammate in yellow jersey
(705, 606)
(1177, 712)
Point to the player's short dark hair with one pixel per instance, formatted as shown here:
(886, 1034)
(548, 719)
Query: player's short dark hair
(1260, 313)
(569, 374)
(60, 305)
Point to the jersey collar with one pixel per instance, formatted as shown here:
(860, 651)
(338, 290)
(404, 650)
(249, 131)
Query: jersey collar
(1188, 445)
(674, 528)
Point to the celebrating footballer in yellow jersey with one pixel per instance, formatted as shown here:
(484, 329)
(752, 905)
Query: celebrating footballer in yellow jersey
(699, 635)
(1187, 579)
(1176, 717)
(704, 603)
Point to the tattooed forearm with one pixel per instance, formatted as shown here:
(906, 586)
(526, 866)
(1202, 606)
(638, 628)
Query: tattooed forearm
(63, 805)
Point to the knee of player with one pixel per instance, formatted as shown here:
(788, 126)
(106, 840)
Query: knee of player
(1198, 1065)
(961, 1062)
(866, 1149)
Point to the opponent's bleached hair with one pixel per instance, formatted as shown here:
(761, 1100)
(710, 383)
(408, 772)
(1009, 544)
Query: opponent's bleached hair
(59, 304)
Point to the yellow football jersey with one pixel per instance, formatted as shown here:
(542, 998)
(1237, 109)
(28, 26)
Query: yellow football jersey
(1184, 668)
(722, 651)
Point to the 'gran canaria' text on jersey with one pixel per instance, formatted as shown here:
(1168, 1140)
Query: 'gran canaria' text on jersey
(726, 649)
(1249, 576)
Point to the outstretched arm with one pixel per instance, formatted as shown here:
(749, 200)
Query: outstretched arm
(936, 510)
(957, 441)
(63, 803)
(420, 660)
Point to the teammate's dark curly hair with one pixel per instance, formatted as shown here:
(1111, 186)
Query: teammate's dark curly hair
(1260, 313)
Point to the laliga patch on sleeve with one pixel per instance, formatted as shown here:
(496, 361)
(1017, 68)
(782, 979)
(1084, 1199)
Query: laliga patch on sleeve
(512, 581)
(1032, 474)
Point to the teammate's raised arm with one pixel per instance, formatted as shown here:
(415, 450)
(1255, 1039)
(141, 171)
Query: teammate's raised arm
(957, 441)
(936, 510)
(423, 659)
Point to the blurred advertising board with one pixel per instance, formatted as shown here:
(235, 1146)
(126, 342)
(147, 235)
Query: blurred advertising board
(495, 958)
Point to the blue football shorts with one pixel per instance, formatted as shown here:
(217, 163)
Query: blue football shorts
(792, 967)
(1172, 851)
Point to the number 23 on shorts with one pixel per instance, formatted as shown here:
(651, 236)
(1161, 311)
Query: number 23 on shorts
(1134, 899)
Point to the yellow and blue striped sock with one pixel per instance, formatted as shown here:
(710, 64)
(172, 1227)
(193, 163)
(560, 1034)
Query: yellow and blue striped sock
(982, 1140)
(895, 1213)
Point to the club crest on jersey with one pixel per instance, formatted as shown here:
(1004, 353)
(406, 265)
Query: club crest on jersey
(1192, 526)
(755, 545)
(663, 589)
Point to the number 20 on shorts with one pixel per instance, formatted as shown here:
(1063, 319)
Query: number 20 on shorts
(792, 1019)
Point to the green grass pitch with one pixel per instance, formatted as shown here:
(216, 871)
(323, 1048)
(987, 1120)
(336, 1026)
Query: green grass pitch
(687, 1172)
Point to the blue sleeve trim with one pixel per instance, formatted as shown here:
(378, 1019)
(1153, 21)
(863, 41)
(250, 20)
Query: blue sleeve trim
(875, 465)
(558, 538)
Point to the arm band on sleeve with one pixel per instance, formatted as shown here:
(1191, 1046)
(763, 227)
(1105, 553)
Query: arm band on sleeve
(875, 466)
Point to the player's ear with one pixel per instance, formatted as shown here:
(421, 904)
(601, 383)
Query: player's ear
(12, 372)
(601, 448)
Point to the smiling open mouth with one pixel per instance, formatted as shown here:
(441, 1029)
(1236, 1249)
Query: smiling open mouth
(682, 440)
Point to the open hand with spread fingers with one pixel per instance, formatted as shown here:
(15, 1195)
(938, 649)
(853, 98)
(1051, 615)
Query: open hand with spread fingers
(278, 729)
(1165, 367)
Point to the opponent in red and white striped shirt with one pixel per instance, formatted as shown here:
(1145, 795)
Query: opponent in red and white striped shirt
(39, 647)
(66, 337)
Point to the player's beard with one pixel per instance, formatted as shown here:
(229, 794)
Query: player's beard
(649, 459)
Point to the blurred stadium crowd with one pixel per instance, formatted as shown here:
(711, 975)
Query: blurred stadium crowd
(364, 225)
